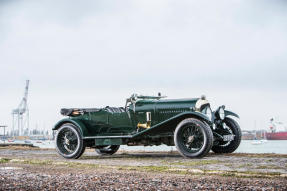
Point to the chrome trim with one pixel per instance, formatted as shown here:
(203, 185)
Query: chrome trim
(220, 110)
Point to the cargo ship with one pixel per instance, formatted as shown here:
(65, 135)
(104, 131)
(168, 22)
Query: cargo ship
(276, 133)
(276, 136)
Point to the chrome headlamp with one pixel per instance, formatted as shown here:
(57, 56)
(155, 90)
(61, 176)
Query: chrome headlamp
(220, 112)
(207, 111)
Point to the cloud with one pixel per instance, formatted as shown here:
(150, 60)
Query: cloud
(69, 49)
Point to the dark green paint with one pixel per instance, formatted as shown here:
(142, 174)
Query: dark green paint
(109, 141)
(174, 121)
(230, 113)
(78, 122)
(113, 128)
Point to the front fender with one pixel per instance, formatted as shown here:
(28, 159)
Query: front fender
(230, 113)
(197, 115)
(170, 124)
(76, 122)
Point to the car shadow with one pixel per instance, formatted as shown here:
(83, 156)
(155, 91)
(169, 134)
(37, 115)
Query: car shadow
(143, 155)
(129, 156)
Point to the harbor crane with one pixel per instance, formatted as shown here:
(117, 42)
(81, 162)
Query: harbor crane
(20, 116)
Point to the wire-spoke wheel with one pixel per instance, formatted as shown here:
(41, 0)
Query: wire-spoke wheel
(193, 138)
(232, 128)
(69, 143)
(108, 150)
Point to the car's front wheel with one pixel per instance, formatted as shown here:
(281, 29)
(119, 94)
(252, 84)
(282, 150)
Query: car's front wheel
(193, 138)
(69, 142)
(232, 128)
(108, 150)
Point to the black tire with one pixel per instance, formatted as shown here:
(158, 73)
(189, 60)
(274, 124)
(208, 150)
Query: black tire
(69, 142)
(196, 134)
(108, 150)
(231, 146)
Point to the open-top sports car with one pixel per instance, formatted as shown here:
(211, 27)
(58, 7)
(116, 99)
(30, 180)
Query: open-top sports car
(189, 124)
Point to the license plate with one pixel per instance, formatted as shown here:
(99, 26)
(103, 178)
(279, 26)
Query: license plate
(228, 137)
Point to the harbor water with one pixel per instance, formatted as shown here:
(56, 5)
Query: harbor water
(246, 146)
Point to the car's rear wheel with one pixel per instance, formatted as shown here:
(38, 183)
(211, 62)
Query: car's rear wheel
(232, 128)
(193, 138)
(69, 142)
(108, 150)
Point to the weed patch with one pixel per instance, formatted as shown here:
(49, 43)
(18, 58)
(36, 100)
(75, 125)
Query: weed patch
(4, 160)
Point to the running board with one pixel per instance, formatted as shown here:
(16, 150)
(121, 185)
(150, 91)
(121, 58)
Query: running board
(108, 137)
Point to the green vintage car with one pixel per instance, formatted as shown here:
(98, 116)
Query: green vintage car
(189, 124)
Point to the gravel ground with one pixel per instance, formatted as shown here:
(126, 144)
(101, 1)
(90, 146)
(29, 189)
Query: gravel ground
(43, 169)
(31, 177)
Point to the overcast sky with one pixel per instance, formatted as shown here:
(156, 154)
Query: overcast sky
(97, 53)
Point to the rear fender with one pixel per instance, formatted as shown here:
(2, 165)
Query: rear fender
(77, 123)
(169, 125)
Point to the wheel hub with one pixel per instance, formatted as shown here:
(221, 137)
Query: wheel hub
(190, 139)
(67, 141)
